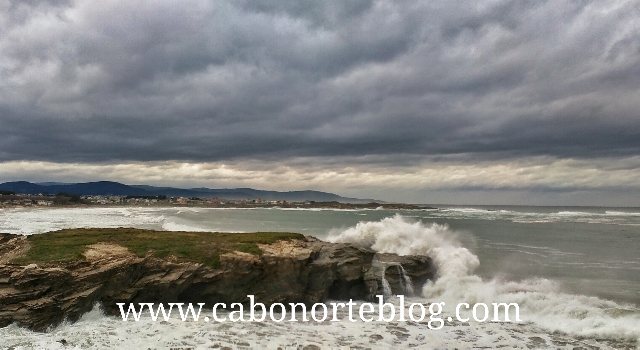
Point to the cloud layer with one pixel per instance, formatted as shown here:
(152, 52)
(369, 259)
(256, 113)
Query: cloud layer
(394, 83)
(539, 180)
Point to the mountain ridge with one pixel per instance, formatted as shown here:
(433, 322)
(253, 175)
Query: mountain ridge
(119, 189)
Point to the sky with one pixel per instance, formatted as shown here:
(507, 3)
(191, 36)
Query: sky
(440, 101)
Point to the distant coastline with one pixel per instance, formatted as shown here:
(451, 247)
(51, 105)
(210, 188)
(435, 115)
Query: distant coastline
(110, 188)
(66, 200)
(53, 194)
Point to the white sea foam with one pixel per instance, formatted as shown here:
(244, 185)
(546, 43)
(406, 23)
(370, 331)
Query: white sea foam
(627, 218)
(33, 221)
(543, 306)
(398, 235)
(173, 226)
(621, 213)
(540, 300)
(318, 209)
(96, 331)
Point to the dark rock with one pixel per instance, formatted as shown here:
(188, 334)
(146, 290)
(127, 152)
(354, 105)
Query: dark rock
(397, 268)
(307, 271)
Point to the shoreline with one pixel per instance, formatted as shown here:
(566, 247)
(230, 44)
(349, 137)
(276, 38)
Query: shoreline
(579, 333)
(23, 201)
(62, 275)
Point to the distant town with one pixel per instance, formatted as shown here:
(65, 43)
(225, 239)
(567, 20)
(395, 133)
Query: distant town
(9, 199)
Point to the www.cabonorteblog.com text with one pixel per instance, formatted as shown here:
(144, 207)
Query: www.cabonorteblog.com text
(320, 312)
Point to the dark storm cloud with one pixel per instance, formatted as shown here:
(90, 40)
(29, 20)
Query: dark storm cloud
(197, 80)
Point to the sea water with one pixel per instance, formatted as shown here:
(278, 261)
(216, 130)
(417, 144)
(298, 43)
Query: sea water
(574, 272)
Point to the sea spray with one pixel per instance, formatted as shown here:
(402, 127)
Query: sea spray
(398, 235)
(541, 301)
(36, 221)
(543, 306)
(105, 332)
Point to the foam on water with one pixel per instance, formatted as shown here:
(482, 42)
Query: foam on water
(621, 213)
(33, 221)
(544, 308)
(400, 236)
(626, 218)
(540, 300)
(96, 331)
(172, 226)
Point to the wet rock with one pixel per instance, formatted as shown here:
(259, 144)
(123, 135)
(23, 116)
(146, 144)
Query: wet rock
(401, 272)
(307, 271)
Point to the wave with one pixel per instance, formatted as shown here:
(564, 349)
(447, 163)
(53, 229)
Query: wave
(621, 213)
(173, 226)
(626, 218)
(320, 209)
(397, 235)
(35, 221)
(96, 331)
(540, 300)
(544, 307)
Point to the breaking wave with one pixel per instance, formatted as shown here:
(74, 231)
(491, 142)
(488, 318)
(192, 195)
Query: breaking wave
(541, 301)
(35, 221)
(173, 226)
(544, 307)
(609, 217)
(400, 236)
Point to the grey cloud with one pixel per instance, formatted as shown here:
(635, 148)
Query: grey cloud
(207, 81)
(320, 13)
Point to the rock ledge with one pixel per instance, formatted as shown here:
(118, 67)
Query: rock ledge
(300, 270)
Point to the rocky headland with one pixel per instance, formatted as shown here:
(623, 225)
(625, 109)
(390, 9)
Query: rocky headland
(48, 278)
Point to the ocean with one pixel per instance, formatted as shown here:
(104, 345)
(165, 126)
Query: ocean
(573, 271)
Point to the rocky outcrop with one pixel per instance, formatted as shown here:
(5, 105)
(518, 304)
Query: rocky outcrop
(307, 271)
(405, 274)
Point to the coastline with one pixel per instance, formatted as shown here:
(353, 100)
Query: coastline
(23, 201)
(62, 275)
(555, 326)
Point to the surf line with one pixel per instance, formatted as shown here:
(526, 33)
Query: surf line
(319, 312)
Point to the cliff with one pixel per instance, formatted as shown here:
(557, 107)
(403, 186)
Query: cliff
(289, 268)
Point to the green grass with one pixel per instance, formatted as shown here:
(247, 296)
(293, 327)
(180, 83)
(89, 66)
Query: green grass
(203, 247)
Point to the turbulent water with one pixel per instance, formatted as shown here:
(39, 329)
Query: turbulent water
(574, 272)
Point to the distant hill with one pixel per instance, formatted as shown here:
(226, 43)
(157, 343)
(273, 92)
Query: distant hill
(105, 188)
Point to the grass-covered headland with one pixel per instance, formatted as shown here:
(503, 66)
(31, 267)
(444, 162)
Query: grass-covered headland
(203, 247)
